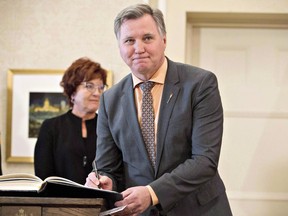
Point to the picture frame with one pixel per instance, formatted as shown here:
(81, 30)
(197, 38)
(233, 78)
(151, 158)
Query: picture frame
(25, 88)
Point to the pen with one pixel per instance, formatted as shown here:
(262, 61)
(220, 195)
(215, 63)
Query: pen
(96, 171)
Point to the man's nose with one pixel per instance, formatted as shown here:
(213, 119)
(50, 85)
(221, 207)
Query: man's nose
(139, 47)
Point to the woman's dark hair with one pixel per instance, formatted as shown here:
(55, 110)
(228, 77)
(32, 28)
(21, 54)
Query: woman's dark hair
(81, 70)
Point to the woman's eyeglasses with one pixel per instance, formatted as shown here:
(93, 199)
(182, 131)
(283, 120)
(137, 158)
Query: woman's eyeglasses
(92, 88)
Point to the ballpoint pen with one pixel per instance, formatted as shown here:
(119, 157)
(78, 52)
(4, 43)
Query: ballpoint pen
(96, 171)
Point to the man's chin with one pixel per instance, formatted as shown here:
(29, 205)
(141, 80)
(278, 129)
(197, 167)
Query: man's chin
(140, 69)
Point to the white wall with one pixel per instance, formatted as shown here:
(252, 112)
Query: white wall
(175, 16)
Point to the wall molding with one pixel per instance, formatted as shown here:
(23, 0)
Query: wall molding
(257, 196)
(258, 115)
(197, 20)
(245, 20)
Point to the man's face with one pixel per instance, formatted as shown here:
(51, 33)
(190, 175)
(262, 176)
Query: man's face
(141, 46)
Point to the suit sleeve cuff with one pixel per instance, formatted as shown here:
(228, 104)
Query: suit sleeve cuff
(153, 196)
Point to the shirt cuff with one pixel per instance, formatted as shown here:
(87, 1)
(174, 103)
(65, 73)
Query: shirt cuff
(154, 198)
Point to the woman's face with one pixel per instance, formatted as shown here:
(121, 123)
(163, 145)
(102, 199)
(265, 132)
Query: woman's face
(87, 97)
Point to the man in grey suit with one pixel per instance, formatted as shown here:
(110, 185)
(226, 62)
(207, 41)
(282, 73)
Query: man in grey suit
(188, 118)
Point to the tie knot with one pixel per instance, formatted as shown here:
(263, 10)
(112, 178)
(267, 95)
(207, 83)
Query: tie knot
(146, 86)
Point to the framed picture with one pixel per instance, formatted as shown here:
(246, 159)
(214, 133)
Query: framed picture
(33, 96)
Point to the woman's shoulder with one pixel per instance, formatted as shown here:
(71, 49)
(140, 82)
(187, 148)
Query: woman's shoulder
(56, 120)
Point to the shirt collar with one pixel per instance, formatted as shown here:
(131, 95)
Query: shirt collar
(158, 77)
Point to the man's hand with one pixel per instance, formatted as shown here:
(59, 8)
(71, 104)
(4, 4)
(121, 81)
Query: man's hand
(103, 182)
(137, 199)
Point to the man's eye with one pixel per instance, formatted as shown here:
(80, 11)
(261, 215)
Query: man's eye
(148, 38)
(129, 41)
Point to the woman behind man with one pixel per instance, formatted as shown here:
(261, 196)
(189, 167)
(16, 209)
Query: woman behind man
(66, 144)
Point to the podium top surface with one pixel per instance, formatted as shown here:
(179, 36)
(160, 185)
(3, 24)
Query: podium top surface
(52, 201)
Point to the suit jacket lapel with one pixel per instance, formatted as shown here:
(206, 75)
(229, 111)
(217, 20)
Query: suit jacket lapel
(169, 96)
(129, 110)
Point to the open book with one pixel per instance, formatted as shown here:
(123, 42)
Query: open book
(24, 184)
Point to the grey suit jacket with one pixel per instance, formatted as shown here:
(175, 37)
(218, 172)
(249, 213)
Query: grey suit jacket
(189, 136)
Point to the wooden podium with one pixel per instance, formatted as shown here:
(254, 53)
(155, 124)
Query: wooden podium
(42, 206)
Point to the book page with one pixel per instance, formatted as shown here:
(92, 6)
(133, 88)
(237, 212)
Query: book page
(15, 176)
(19, 182)
(60, 180)
(67, 182)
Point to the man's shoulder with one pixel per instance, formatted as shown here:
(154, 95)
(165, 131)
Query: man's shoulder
(188, 67)
(187, 71)
(124, 83)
